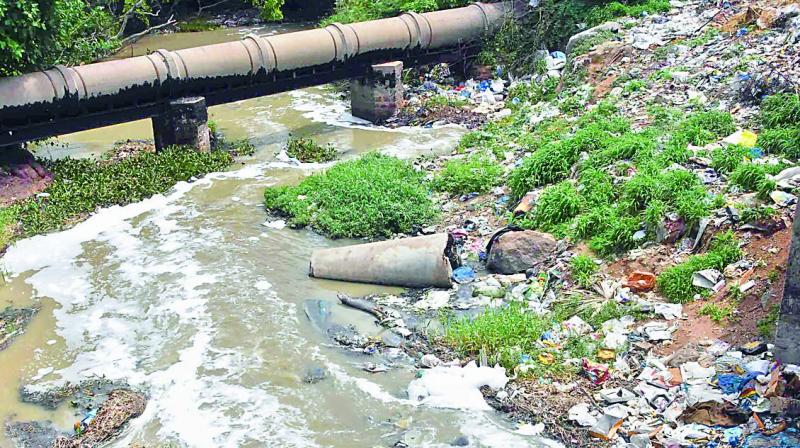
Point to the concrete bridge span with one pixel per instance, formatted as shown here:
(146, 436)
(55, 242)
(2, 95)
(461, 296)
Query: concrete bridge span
(70, 99)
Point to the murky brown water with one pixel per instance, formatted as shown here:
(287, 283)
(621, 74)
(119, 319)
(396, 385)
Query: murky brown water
(189, 296)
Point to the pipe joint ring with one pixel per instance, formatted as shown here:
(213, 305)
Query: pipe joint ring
(420, 29)
(73, 84)
(266, 58)
(172, 63)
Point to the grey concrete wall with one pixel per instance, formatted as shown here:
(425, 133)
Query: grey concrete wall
(184, 122)
(377, 96)
(787, 336)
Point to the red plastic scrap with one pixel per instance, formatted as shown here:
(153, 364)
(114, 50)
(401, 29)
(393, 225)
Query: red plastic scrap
(641, 281)
(597, 373)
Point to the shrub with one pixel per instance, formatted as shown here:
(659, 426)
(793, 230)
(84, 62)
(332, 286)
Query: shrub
(307, 150)
(348, 11)
(477, 173)
(583, 270)
(372, 196)
(675, 283)
(8, 223)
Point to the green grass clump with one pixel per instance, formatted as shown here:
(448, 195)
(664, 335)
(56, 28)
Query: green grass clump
(596, 187)
(80, 186)
(675, 283)
(477, 173)
(726, 159)
(780, 110)
(704, 38)
(634, 85)
(584, 270)
(753, 177)
(307, 150)
(548, 164)
(785, 141)
(557, 204)
(755, 214)
(702, 128)
(766, 326)
(373, 196)
(716, 312)
(508, 334)
(8, 224)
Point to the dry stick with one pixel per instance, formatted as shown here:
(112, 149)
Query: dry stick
(706, 24)
(134, 37)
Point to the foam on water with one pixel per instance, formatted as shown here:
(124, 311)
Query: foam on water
(161, 300)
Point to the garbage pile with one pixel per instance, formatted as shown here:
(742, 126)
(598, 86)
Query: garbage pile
(710, 395)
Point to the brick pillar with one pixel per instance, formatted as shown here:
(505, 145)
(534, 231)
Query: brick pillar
(376, 96)
(183, 122)
(787, 336)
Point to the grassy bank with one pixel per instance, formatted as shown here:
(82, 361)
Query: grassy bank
(81, 186)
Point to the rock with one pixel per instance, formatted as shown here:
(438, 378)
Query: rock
(460, 441)
(429, 361)
(515, 252)
(314, 374)
(591, 32)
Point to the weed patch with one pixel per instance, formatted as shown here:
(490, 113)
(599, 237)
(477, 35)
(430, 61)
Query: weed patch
(675, 283)
(584, 270)
(477, 173)
(373, 196)
(307, 150)
(716, 312)
(767, 325)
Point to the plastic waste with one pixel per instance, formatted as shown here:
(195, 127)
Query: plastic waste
(742, 138)
(708, 279)
(581, 414)
(597, 373)
(464, 274)
(641, 281)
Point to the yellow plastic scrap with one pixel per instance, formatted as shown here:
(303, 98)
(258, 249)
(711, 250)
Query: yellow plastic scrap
(546, 358)
(606, 354)
(742, 138)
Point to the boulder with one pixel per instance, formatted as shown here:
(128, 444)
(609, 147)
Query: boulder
(514, 252)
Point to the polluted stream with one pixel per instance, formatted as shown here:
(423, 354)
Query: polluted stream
(191, 298)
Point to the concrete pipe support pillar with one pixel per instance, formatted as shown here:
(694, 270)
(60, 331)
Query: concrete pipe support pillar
(376, 96)
(787, 336)
(183, 122)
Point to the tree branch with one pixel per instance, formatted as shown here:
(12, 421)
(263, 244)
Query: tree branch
(134, 37)
(127, 17)
(200, 10)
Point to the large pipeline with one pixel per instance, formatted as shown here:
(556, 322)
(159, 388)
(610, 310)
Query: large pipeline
(65, 93)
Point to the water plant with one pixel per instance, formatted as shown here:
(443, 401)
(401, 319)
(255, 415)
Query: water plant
(308, 150)
(80, 186)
